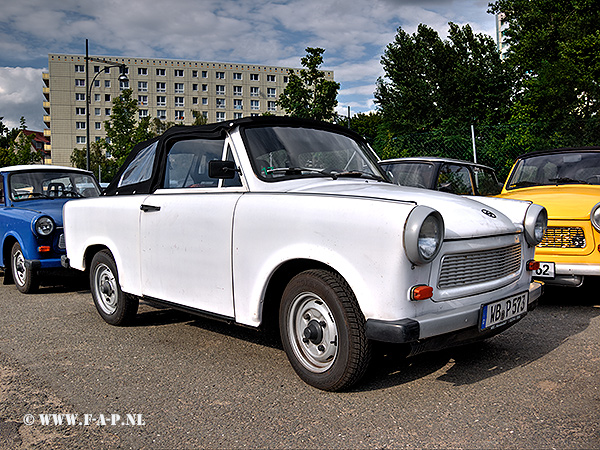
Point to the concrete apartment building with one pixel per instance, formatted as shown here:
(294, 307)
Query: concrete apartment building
(165, 88)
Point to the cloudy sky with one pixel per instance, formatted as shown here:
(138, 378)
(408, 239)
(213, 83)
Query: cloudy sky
(354, 34)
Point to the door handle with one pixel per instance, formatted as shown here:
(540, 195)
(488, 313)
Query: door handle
(149, 208)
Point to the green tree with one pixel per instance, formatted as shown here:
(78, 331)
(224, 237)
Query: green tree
(430, 83)
(310, 95)
(368, 125)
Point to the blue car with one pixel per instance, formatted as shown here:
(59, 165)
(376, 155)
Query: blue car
(32, 199)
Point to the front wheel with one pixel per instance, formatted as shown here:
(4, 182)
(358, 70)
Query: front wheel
(26, 279)
(115, 307)
(323, 330)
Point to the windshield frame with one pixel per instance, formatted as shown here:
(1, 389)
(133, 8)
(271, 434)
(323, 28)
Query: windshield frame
(297, 171)
(41, 177)
(563, 174)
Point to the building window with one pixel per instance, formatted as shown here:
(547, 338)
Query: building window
(205, 114)
(161, 73)
(220, 90)
(220, 103)
(142, 71)
(98, 125)
(204, 74)
(161, 87)
(205, 88)
(254, 77)
(271, 78)
(179, 101)
(179, 115)
(220, 116)
(143, 100)
(237, 104)
(96, 69)
(80, 125)
(204, 101)
(106, 83)
(271, 106)
(254, 91)
(80, 97)
(143, 113)
(142, 86)
(107, 111)
(123, 70)
(81, 139)
(79, 82)
(123, 85)
(194, 87)
(254, 104)
(79, 68)
(107, 97)
(96, 97)
(237, 90)
(161, 100)
(237, 76)
(194, 100)
(237, 115)
(179, 89)
(271, 92)
(285, 79)
(178, 72)
(161, 114)
(80, 111)
(220, 75)
(96, 83)
(195, 73)
(97, 112)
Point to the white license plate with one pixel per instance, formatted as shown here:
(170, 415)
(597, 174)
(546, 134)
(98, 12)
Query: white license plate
(546, 270)
(501, 311)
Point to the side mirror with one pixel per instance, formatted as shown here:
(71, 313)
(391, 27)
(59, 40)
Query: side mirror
(222, 169)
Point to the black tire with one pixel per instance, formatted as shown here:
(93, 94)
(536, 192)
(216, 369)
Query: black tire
(323, 330)
(26, 279)
(115, 307)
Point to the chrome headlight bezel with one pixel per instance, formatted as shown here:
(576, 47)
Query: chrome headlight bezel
(536, 223)
(423, 235)
(44, 226)
(595, 216)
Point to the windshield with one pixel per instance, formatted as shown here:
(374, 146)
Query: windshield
(556, 168)
(279, 153)
(51, 184)
(411, 174)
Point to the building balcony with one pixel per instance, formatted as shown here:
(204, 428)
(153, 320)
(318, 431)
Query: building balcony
(47, 132)
(47, 120)
(47, 147)
(46, 106)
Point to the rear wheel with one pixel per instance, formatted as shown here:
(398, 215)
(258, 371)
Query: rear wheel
(115, 307)
(323, 330)
(26, 279)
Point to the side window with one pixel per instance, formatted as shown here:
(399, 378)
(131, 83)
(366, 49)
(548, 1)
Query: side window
(187, 163)
(236, 181)
(455, 179)
(140, 169)
(2, 203)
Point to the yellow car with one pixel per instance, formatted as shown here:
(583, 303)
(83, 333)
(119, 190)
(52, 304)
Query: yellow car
(567, 183)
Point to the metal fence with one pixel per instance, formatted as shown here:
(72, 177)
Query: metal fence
(496, 146)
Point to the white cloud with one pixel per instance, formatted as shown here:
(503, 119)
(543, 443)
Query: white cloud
(21, 96)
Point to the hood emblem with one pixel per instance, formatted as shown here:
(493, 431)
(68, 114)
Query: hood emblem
(488, 213)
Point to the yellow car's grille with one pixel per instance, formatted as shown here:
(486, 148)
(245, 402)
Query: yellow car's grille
(464, 269)
(563, 237)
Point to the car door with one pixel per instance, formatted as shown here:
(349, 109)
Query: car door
(186, 231)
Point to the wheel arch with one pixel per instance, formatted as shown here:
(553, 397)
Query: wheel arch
(277, 283)
(7, 246)
(90, 252)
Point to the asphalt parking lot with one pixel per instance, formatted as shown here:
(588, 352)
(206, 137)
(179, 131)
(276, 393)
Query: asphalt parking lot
(178, 381)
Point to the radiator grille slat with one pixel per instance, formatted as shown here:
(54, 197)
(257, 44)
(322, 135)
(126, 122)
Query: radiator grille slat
(465, 269)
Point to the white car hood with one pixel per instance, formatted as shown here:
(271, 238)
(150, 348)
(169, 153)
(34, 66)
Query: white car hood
(464, 217)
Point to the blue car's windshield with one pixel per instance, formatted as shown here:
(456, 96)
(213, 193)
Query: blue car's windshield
(51, 184)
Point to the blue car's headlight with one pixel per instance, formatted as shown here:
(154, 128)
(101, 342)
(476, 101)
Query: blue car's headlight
(44, 226)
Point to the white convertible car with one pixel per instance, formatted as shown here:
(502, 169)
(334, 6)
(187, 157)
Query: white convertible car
(292, 220)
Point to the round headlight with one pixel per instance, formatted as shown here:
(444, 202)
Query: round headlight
(423, 235)
(44, 226)
(536, 222)
(595, 216)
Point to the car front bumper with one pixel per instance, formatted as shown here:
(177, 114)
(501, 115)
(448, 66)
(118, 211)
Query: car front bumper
(461, 321)
(40, 264)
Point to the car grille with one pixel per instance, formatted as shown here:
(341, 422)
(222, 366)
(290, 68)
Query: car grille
(464, 269)
(563, 237)
(61, 242)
